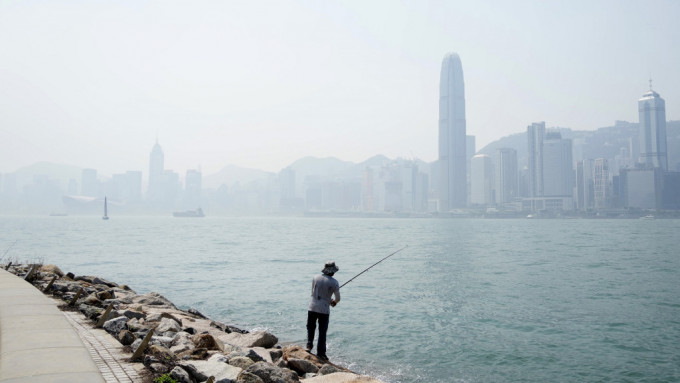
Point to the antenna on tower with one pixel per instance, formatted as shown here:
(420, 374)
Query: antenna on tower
(650, 81)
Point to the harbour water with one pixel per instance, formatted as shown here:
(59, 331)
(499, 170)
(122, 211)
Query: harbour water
(469, 300)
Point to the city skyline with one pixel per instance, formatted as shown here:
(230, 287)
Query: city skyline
(259, 85)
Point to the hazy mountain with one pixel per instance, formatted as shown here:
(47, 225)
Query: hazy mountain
(232, 174)
(60, 172)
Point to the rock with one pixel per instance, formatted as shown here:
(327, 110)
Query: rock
(241, 362)
(135, 345)
(195, 354)
(196, 313)
(218, 358)
(297, 352)
(302, 366)
(162, 353)
(114, 326)
(92, 300)
(168, 325)
(181, 342)
(134, 314)
(201, 370)
(342, 377)
(329, 369)
(158, 368)
(90, 312)
(52, 269)
(70, 275)
(275, 353)
(153, 299)
(227, 328)
(157, 317)
(272, 374)
(161, 341)
(207, 341)
(104, 295)
(190, 330)
(180, 375)
(255, 339)
(126, 337)
(247, 377)
(256, 355)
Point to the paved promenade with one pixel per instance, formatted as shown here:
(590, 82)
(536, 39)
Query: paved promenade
(40, 343)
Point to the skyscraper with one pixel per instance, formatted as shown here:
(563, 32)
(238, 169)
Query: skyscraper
(481, 183)
(558, 168)
(535, 133)
(652, 109)
(506, 175)
(156, 168)
(452, 145)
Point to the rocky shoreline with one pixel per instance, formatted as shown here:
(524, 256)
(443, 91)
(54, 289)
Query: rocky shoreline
(182, 346)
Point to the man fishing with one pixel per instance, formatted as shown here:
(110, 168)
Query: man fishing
(324, 286)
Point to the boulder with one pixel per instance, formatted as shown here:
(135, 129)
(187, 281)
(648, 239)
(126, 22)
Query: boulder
(275, 353)
(115, 325)
(134, 314)
(126, 337)
(105, 294)
(90, 312)
(197, 313)
(167, 324)
(158, 368)
(342, 377)
(180, 375)
(181, 342)
(207, 341)
(153, 299)
(201, 370)
(92, 300)
(160, 352)
(329, 369)
(297, 352)
(52, 269)
(161, 341)
(302, 366)
(272, 374)
(247, 377)
(241, 362)
(254, 339)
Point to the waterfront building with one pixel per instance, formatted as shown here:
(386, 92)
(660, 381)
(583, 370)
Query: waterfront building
(156, 169)
(452, 137)
(535, 134)
(506, 176)
(652, 111)
(557, 165)
(192, 189)
(481, 180)
(641, 188)
(601, 186)
(584, 185)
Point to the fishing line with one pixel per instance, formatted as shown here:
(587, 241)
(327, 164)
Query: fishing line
(368, 268)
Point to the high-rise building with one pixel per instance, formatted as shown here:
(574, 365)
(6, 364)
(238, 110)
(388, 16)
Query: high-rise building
(156, 168)
(89, 183)
(506, 176)
(481, 184)
(452, 138)
(558, 170)
(652, 109)
(535, 133)
(601, 187)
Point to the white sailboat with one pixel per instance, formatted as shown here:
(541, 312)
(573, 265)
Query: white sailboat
(106, 210)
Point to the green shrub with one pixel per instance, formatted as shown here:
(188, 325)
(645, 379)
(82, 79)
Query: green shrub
(165, 378)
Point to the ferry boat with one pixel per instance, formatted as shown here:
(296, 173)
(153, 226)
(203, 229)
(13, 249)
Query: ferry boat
(198, 213)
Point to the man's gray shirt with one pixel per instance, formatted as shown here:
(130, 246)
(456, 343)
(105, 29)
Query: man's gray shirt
(323, 287)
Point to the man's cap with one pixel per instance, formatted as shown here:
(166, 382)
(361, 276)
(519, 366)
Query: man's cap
(330, 268)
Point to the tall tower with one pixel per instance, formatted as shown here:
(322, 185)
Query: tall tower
(652, 110)
(506, 175)
(535, 134)
(452, 151)
(156, 168)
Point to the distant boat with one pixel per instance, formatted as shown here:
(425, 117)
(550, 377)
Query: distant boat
(58, 214)
(189, 213)
(648, 217)
(106, 210)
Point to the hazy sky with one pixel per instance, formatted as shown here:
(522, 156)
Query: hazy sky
(261, 84)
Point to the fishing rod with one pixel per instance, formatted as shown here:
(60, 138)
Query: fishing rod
(8, 249)
(368, 268)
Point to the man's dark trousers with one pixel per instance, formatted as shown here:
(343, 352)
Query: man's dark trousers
(312, 317)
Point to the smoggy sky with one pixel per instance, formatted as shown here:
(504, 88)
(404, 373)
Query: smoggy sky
(261, 84)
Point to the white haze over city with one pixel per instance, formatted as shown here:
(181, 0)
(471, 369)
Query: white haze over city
(262, 84)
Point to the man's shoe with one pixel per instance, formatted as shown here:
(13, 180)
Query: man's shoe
(309, 348)
(323, 358)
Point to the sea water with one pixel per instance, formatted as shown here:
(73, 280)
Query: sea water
(469, 300)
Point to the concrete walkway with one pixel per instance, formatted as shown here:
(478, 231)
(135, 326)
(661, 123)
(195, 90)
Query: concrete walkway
(40, 343)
